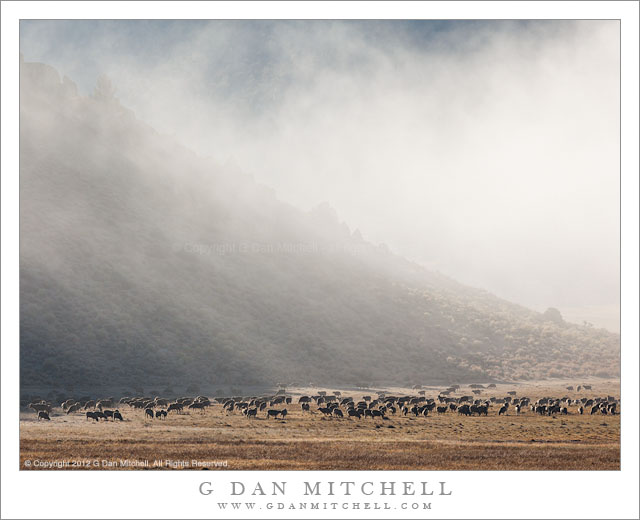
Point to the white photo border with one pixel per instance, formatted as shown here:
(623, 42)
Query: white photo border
(475, 494)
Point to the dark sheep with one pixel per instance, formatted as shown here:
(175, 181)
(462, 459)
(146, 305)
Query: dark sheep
(464, 409)
(200, 405)
(148, 413)
(175, 406)
(117, 415)
(273, 413)
(43, 415)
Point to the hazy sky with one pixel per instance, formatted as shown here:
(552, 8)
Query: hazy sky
(488, 151)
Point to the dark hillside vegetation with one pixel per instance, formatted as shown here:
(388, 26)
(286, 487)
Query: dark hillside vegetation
(142, 263)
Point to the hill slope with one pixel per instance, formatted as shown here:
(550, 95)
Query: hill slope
(142, 263)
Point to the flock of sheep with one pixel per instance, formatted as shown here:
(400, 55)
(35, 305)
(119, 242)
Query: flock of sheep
(333, 405)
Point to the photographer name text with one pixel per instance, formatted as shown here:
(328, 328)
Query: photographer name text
(330, 488)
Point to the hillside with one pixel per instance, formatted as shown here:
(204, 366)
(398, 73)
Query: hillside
(145, 264)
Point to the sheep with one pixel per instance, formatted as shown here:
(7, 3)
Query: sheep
(175, 406)
(73, 408)
(40, 407)
(43, 415)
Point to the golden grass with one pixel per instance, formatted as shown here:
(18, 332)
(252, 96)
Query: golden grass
(311, 441)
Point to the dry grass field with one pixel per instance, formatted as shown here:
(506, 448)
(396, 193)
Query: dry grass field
(312, 442)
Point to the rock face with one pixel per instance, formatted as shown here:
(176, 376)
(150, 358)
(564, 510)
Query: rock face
(142, 263)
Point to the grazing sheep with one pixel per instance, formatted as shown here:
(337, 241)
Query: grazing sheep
(581, 410)
(252, 412)
(92, 415)
(43, 415)
(337, 412)
(117, 415)
(148, 413)
(175, 406)
(40, 407)
(104, 403)
(73, 408)
(200, 405)
(273, 413)
(502, 410)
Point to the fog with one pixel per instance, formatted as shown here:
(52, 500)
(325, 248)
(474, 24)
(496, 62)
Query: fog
(486, 151)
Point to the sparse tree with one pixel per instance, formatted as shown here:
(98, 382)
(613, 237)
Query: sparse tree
(553, 314)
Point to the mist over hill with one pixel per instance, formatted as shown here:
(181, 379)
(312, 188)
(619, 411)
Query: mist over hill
(144, 264)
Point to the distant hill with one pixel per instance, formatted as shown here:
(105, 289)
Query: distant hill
(145, 264)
